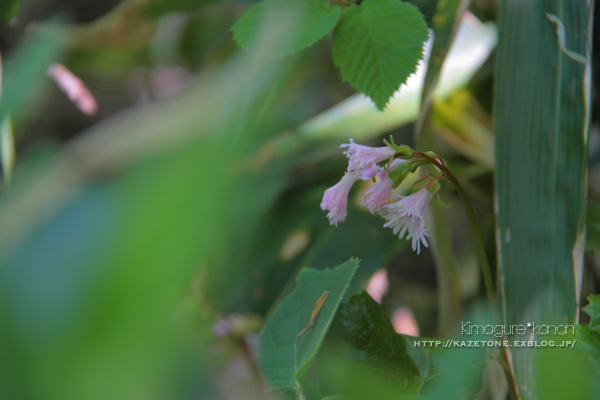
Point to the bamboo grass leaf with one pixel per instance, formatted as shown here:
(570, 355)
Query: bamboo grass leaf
(542, 99)
(446, 21)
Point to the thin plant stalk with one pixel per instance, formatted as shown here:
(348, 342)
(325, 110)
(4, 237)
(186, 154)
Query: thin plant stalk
(485, 267)
(483, 262)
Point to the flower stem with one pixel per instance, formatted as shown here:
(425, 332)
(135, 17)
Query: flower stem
(483, 261)
(505, 359)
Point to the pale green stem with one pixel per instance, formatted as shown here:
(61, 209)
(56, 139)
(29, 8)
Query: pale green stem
(485, 268)
(483, 261)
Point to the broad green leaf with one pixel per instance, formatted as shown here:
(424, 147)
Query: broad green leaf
(592, 243)
(542, 100)
(588, 341)
(370, 342)
(298, 23)
(565, 373)
(284, 357)
(362, 343)
(377, 45)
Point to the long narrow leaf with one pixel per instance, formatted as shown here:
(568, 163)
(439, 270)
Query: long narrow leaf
(541, 118)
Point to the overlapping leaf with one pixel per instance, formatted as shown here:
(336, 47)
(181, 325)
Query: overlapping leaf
(588, 337)
(362, 343)
(298, 23)
(377, 45)
(285, 357)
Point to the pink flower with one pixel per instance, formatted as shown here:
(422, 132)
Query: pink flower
(408, 214)
(379, 194)
(414, 205)
(335, 199)
(417, 230)
(363, 159)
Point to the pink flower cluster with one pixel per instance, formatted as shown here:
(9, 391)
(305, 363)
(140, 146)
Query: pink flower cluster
(402, 213)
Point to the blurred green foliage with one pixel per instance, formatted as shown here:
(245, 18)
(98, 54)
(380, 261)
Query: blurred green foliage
(143, 248)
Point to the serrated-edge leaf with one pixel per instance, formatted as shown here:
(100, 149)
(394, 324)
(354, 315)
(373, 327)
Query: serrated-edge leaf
(285, 26)
(593, 310)
(377, 46)
(284, 358)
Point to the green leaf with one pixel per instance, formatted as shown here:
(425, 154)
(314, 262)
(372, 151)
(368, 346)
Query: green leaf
(446, 21)
(368, 341)
(542, 109)
(104, 323)
(566, 373)
(362, 345)
(588, 343)
(592, 243)
(439, 201)
(284, 357)
(593, 310)
(28, 66)
(297, 24)
(377, 45)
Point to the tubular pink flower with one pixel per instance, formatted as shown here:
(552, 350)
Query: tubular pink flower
(414, 205)
(408, 214)
(417, 230)
(363, 159)
(379, 194)
(335, 199)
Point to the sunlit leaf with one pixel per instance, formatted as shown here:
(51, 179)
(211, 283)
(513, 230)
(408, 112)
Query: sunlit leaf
(446, 21)
(377, 45)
